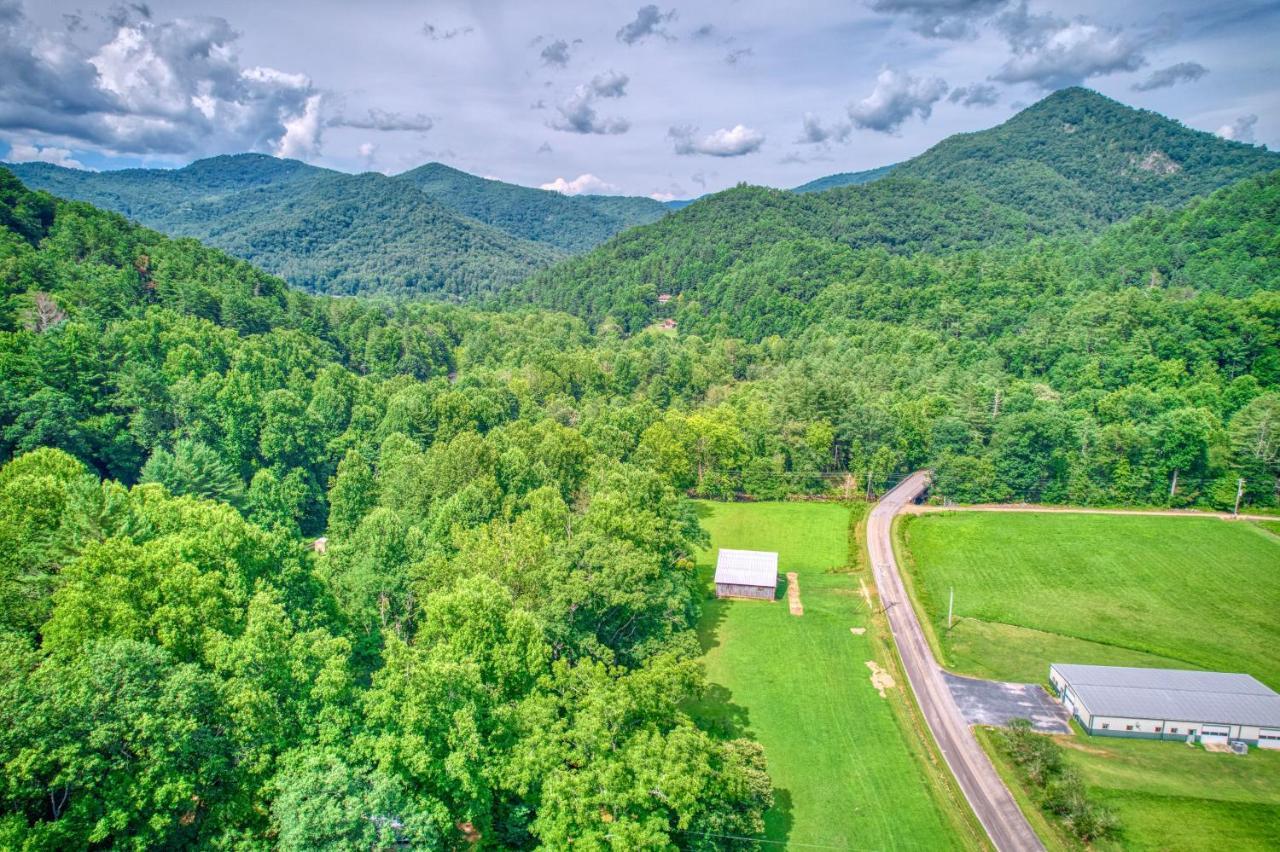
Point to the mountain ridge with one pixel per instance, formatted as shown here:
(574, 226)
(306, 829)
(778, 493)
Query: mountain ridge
(336, 232)
(569, 222)
(1076, 161)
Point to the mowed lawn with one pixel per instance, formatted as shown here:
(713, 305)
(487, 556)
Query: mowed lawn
(1032, 589)
(846, 776)
(1120, 590)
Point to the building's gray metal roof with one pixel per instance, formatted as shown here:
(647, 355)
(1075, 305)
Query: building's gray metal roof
(747, 567)
(1173, 695)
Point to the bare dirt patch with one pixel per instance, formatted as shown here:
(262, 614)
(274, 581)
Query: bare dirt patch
(1220, 748)
(1158, 162)
(1069, 742)
(880, 678)
(866, 593)
(793, 593)
(857, 631)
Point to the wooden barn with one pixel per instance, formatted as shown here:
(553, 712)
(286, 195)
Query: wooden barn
(746, 574)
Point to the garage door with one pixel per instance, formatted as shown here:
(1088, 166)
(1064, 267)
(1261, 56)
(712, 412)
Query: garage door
(1214, 734)
(1268, 739)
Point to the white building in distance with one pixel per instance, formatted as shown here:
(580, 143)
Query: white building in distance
(1169, 704)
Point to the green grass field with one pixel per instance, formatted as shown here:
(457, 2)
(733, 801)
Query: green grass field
(1118, 590)
(1173, 798)
(1032, 589)
(846, 774)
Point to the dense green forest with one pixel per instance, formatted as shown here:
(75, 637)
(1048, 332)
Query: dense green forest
(321, 230)
(1073, 163)
(280, 570)
(432, 230)
(571, 223)
(495, 642)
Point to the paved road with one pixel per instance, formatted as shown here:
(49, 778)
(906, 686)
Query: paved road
(987, 794)
(998, 702)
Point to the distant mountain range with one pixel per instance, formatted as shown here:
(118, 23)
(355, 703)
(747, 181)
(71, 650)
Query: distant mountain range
(431, 230)
(1074, 162)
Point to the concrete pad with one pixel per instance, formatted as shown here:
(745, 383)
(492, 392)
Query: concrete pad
(991, 702)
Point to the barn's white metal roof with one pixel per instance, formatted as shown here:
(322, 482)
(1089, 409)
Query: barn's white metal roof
(1173, 695)
(747, 567)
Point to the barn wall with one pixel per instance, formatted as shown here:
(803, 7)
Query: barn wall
(733, 590)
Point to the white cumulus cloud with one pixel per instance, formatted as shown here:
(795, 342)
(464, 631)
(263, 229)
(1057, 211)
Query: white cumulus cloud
(1240, 130)
(577, 112)
(585, 184)
(726, 142)
(1052, 52)
(22, 153)
(301, 137)
(896, 97)
(148, 87)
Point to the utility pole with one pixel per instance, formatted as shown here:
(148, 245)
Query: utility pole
(1239, 493)
(951, 607)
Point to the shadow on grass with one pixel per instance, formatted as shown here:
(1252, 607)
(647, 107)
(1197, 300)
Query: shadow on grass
(715, 713)
(719, 716)
(714, 611)
(779, 820)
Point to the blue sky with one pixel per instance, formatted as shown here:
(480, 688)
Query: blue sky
(668, 99)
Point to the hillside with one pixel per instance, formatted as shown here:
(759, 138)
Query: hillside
(844, 179)
(1074, 162)
(433, 230)
(319, 229)
(1081, 157)
(571, 223)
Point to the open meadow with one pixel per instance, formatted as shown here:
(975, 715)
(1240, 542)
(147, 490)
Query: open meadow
(1036, 588)
(1117, 590)
(846, 774)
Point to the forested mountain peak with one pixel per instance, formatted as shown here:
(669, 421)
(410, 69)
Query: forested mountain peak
(1076, 162)
(572, 223)
(245, 168)
(1092, 158)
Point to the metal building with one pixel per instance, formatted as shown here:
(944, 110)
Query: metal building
(746, 574)
(1169, 704)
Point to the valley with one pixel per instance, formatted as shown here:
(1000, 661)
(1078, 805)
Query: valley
(382, 511)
